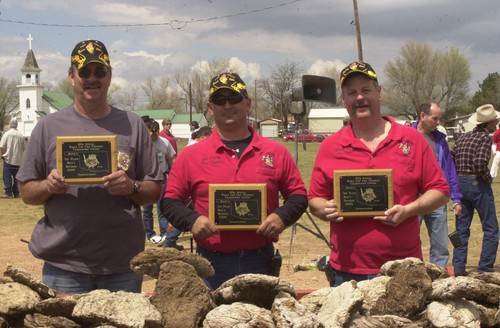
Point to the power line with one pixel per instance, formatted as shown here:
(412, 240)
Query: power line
(174, 24)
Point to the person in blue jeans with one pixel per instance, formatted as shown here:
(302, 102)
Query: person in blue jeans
(11, 152)
(429, 118)
(165, 154)
(472, 154)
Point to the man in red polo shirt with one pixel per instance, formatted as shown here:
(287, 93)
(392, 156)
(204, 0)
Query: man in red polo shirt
(372, 141)
(167, 133)
(234, 153)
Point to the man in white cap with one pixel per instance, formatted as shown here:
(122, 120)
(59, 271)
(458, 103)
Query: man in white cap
(471, 154)
(11, 150)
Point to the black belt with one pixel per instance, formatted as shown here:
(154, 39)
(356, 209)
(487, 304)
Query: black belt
(467, 174)
(240, 253)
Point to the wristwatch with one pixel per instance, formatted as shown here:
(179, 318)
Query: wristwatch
(137, 187)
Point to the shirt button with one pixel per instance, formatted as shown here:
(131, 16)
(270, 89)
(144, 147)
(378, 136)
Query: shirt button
(233, 156)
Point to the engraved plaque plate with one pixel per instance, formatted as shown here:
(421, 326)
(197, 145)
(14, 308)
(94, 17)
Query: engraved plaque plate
(86, 159)
(237, 206)
(361, 193)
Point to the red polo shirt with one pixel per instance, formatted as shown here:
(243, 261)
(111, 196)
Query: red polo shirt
(170, 137)
(210, 161)
(362, 245)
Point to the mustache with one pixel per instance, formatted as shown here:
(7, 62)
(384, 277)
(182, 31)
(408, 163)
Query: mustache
(92, 85)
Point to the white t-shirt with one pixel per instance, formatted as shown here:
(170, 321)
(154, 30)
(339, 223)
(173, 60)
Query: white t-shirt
(12, 144)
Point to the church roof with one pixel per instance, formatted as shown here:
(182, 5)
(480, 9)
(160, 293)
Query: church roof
(30, 64)
(57, 99)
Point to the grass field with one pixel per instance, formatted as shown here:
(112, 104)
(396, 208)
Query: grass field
(297, 245)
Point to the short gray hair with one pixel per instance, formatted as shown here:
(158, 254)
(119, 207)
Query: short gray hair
(13, 123)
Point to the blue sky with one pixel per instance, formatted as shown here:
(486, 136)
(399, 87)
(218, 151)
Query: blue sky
(255, 35)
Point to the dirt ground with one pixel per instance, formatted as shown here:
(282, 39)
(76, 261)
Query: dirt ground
(297, 245)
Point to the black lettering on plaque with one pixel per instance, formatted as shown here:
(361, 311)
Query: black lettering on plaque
(364, 193)
(86, 159)
(238, 207)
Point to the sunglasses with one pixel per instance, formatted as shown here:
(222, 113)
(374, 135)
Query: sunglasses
(86, 73)
(221, 100)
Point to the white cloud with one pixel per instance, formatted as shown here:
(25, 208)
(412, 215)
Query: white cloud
(143, 54)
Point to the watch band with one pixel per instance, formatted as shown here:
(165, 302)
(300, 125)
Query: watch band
(137, 187)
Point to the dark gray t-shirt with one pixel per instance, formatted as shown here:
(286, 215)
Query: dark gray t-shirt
(87, 230)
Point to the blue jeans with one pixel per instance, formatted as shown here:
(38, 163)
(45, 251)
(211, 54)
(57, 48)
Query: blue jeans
(147, 215)
(341, 277)
(437, 228)
(477, 194)
(229, 265)
(67, 282)
(9, 179)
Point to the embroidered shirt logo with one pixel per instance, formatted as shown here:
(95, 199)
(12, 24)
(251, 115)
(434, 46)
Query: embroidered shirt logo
(268, 160)
(405, 148)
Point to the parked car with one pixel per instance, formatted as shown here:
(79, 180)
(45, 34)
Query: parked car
(304, 135)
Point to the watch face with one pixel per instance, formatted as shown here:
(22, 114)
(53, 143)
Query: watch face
(137, 187)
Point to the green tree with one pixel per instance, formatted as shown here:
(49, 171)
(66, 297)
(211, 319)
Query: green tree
(421, 74)
(488, 93)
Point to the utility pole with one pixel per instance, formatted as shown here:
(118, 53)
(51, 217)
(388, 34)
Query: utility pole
(358, 30)
(255, 100)
(190, 105)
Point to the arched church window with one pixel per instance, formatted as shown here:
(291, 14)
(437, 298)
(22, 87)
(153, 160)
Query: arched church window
(28, 103)
(28, 78)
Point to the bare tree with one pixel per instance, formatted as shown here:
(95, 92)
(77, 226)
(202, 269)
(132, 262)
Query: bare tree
(282, 79)
(114, 94)
(128, 100)
(199, 80)
(9, 96)
(421, 74)
(159, 93)
(66, 87)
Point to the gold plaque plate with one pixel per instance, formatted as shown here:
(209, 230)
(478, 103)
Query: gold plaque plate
(236, 206)
(362, 193)
(86, 159)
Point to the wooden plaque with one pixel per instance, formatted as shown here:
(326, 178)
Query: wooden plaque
(362, 193)
(86, 159)
(237, 206)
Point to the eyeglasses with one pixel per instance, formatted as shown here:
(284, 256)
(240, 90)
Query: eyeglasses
(86, 73)
(221, 100)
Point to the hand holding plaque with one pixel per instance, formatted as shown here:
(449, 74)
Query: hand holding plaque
(86, 159)
(361, 193)
(237, 206)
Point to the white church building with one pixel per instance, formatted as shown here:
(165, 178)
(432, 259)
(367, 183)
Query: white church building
(34, 102)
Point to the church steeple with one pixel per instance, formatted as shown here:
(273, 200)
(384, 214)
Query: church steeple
(30, 92)
(30, 69)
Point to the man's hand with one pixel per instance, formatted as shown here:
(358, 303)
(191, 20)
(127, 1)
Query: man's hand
(271, 227)
(55, 183)
(393, 216)
(118, 184)
(203, 228)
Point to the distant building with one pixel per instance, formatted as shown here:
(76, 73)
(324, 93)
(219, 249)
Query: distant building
(34, 102)
(326, 120)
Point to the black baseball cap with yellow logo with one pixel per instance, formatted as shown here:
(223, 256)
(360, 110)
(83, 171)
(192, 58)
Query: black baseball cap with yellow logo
(89, 51)
(357, 67)
(231, 81)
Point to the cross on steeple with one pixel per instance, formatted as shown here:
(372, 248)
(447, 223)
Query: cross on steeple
(29, 40)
